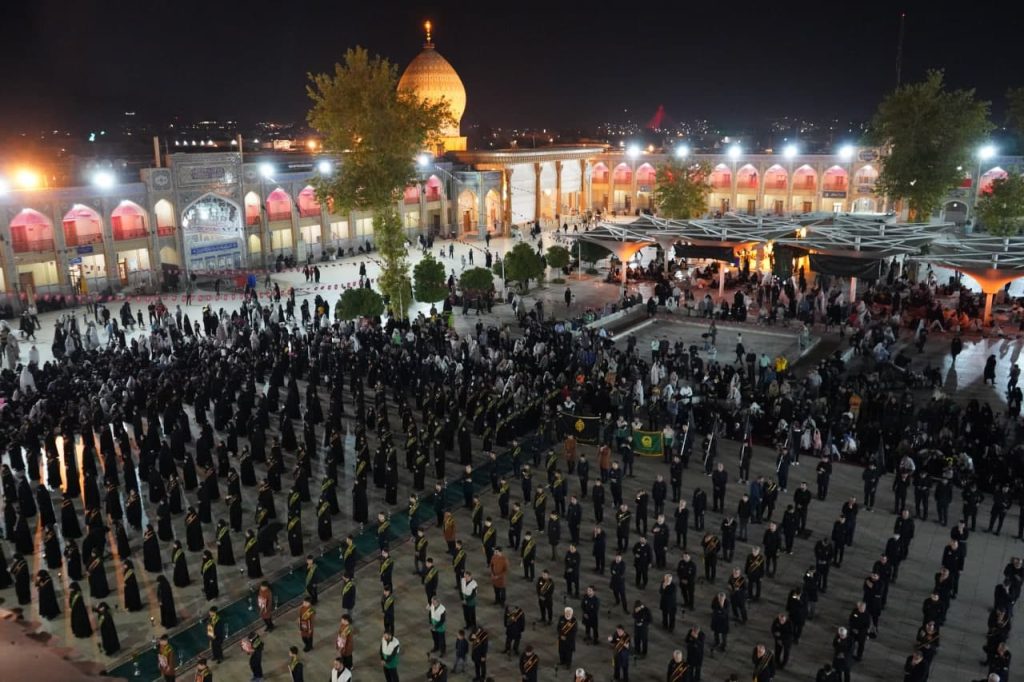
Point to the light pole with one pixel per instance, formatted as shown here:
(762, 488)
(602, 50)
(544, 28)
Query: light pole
(986, 152)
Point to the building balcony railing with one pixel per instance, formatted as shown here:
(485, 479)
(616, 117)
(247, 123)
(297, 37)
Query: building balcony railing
(72, 239)
(130, 233)
(433, 196)
(252, 219)
(165, 231)
(279, 215)
(31, 246)
(309, 212)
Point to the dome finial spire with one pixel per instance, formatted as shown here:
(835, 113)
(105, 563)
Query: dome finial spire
(428, 26)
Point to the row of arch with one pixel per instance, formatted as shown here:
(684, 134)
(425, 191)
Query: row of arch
(278, 203)
(32, 230)
(805, 177)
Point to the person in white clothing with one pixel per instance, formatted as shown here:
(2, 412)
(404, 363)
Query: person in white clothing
(339, 673)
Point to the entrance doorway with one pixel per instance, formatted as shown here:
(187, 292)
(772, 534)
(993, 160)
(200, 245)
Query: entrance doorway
(808, 207)
(751, 206)
(724, 206)
(777, 207)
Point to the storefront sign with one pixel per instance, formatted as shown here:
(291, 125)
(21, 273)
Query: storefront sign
(832, 194)
(867, 155)
(865, 189)
(82, 250)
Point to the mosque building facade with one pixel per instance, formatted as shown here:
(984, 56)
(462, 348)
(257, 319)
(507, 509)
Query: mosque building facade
(217, 211)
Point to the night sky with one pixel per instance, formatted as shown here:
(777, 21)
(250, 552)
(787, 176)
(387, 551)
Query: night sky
(74, 64)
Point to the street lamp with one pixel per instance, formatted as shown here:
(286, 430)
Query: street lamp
(633, 152)
(104, 179)
(789, 152)
(734, 152)
(846, 152)
(324, 166)
(266, 170)
(987, 152)
(27, 179)
(682, 151)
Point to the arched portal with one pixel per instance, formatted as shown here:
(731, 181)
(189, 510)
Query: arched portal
(955, 212)
(279, 205)
(987, 178)
(865, 205)
(645, 181)
(866, 178)
(82, 226)
(309, 207)
(468, 211)
(165, 221)
(129, 221)
(410, 196)
(433, 188)
(746, 178)
(252, 209)
(492, 205)
(31, 231)
(212, 233)
(805, 179)
(721, 178)
(835, 179)
(775, 179)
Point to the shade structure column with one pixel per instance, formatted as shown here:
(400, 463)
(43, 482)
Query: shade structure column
(558, 191)
(507, 209)
(537, 169)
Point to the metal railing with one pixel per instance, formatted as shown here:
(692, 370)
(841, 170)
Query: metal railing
(29, 246)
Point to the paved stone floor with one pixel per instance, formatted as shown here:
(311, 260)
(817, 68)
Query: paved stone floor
(962, 636)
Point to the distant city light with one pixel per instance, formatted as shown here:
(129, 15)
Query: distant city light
(104, 179)
(682, 151)
(789, 151)
(266, 170)
(26, 179)
(987, 152)
(312, 144)
(846, 152)
(324, 166)
(735, 151)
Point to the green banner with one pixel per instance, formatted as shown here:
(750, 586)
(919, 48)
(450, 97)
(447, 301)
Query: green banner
(650, 443)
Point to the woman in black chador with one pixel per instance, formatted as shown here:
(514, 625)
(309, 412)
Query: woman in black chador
(23, 540)
(69, 527)
(164, 530)
(46, 513)
(210, 587)
(132, 600)
(165, 597)
(253, 567)
(80, 625)
(193, 531)
(22, 583)
(48, 607)
(181, 576)
(5, 575)
(51, 549)
(73, 560)
(225, 550)
(124, 549)
(98, 586)
(151, 551)
(108, 631)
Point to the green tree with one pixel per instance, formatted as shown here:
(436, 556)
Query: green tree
(431, 285)
(361, 302)
(1002, 211)
(1015, 109)
(590, 252)
(682, 190)
(928, 132)
(378, 130)
(476, 282)
(557, 257)
(522, 264)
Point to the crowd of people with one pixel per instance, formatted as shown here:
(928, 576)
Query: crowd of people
(281, 409)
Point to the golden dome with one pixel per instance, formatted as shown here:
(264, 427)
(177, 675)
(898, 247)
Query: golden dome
(431, 77)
